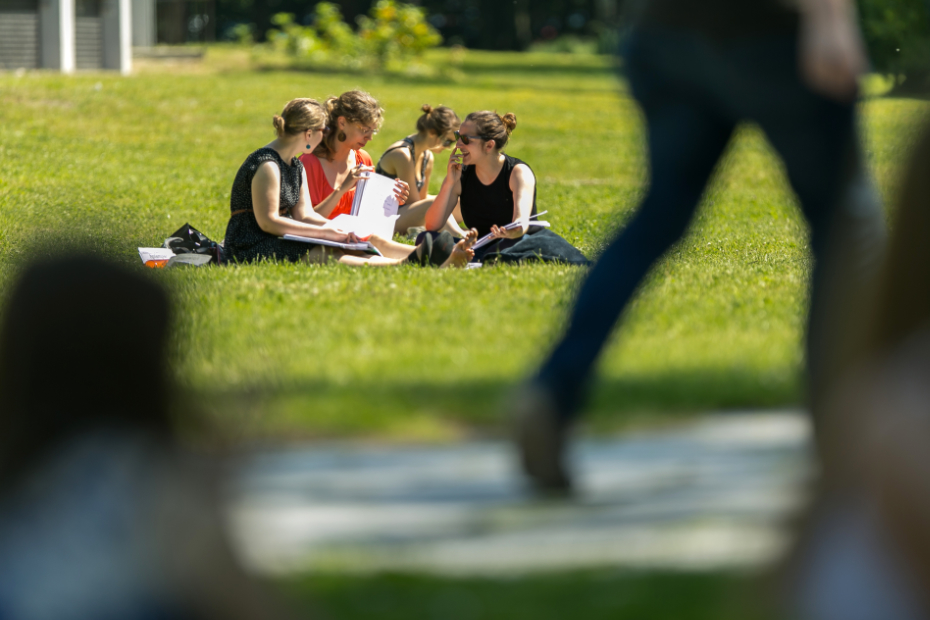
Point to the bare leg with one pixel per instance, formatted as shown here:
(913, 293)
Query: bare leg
(322, 254)
(369, 261)
(413, 214)
(462, 253)
(389, 248)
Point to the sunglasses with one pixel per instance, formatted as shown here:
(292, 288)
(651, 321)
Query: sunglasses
(448, 143)
(466, 140)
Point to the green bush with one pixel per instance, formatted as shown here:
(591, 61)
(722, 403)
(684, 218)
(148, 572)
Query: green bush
(392, 33)
(336, 35)
(291, 37)
(242, 34)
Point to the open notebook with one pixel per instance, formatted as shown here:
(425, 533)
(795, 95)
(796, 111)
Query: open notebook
(374, 209)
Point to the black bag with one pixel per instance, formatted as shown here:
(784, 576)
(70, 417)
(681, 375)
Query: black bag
(189, 240)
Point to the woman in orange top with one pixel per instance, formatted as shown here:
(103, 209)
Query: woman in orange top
(337, 163)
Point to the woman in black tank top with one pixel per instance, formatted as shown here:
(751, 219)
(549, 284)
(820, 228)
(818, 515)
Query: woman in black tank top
(411, 160)
(493, 189)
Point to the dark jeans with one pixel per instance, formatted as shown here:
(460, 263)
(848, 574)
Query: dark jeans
(693, 92)
(480, 253)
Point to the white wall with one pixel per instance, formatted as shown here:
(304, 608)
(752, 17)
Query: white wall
(116, 22)
(143, 23)
(56, 25)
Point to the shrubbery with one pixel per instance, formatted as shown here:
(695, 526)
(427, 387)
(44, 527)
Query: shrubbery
(391, 34)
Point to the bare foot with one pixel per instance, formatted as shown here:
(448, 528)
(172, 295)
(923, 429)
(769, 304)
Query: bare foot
(462, 252)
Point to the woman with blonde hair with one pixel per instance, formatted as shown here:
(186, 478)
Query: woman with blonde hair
(270, 198)
(411, 159)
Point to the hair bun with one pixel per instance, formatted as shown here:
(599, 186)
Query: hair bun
(510, 121)
(279, 124)
(427, 108)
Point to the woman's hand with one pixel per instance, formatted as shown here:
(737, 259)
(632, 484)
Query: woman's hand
(340, 236)
(500, 232)
(361, 171)
(402, 191)
(454, 169)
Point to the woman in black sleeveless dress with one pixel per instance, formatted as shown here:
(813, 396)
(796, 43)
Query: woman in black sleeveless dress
(270, 199)
(493, 189)
(411, 160)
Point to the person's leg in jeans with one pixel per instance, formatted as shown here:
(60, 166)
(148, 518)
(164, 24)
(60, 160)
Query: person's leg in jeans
(685, 141)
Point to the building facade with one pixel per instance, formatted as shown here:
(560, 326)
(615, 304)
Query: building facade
(66, 35)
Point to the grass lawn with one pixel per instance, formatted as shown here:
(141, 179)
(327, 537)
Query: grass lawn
(591, 595)
(294, 351)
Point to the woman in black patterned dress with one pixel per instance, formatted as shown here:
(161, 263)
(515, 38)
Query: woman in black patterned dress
(270, 199)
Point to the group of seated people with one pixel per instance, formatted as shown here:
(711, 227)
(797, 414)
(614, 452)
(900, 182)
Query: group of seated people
(307, 176)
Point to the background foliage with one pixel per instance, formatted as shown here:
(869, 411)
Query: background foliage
(393, 32)
(897, 33)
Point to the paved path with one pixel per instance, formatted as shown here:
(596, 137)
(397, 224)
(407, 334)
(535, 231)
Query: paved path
(708, 494)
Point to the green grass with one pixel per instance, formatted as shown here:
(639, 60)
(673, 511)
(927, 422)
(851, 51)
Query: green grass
(592, 595)
(296, 351)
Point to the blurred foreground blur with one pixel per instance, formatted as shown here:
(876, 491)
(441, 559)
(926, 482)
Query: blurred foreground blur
(101, 515)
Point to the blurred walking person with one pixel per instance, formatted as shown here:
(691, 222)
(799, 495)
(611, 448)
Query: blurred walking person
(698, 69)
(864, 550)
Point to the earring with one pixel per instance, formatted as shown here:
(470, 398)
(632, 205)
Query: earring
(341, 136)
(308, 147)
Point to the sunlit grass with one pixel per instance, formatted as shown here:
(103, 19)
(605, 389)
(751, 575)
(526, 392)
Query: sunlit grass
(291, 350)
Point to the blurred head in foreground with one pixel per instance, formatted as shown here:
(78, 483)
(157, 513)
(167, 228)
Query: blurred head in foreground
(82, 346)
(100, 515)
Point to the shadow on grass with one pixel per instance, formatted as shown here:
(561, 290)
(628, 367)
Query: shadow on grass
(607, 594)
(608, 69)
(411, 409)
(473, 76)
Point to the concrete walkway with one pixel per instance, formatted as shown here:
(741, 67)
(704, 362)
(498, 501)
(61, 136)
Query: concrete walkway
(709, 494)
